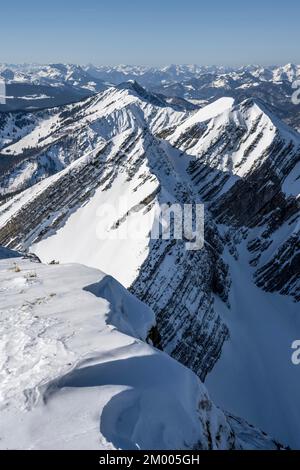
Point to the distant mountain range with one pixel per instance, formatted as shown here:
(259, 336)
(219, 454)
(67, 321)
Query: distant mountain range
(42, 86)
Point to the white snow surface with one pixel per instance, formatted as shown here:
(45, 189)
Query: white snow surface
(75, 372)
(97, 244)
(204, 114)
(108, 114)
(255, 377)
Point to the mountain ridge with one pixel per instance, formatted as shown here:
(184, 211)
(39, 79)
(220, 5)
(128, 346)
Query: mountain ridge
(158, 154)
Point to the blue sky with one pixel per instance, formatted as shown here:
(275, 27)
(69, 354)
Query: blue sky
(150, 33)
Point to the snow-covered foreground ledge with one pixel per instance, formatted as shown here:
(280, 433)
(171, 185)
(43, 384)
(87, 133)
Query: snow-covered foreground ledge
(76, 372)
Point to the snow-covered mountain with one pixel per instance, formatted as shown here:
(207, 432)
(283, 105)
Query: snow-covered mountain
(76, 371)
(36, 145)
(37, 86)
(227, 311)
(32, 86)
(245, 164)
(200, 84)
(180, 73)
(246, 168)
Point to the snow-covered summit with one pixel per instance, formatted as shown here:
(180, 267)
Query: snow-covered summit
(76, 372)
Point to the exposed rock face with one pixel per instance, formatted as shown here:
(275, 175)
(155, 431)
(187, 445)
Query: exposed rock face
(37, 145)
(179, 286)
(251, 438)
(246, 167)
(281, 272)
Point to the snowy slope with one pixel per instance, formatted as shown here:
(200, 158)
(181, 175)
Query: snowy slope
(245, 165)
(233, 140)
(59, 136)
(77, 374)
(110, 112)
(205, 114)
(255, 377)
(63, 215)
